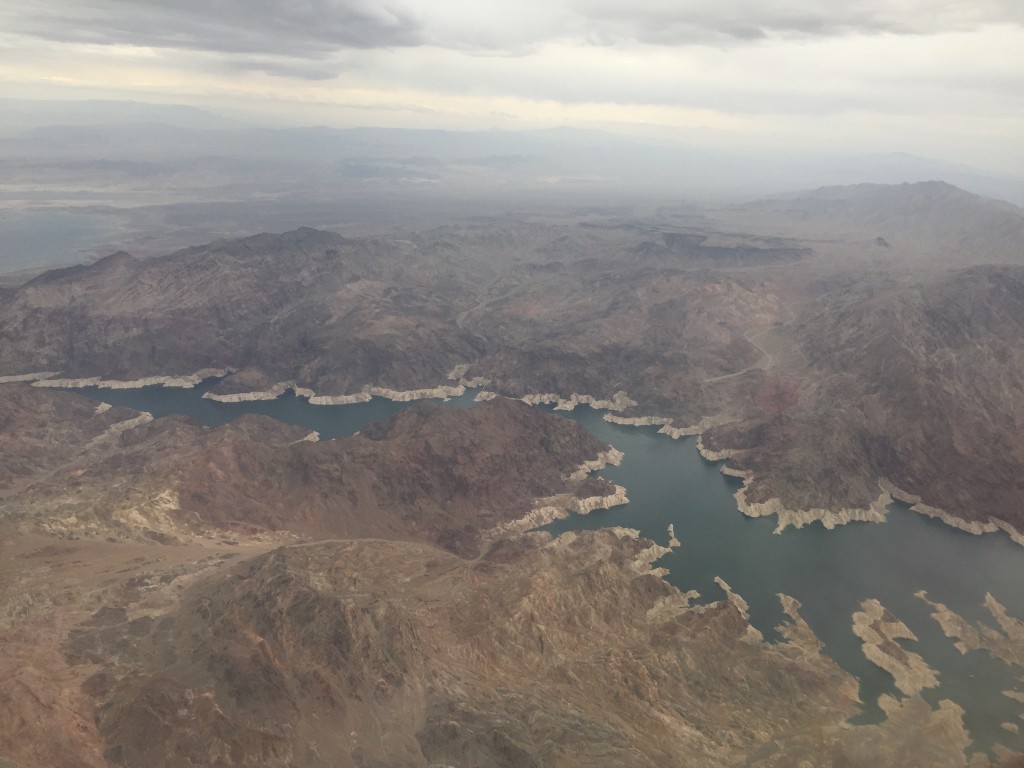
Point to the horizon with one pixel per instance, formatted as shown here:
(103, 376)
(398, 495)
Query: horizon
(864, 79)
(89, 178)
(27, 115)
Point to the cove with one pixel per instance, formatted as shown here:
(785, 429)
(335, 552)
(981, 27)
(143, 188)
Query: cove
(331, 421)
(829, 572)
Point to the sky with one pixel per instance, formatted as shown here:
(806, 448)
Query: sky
(944, 78)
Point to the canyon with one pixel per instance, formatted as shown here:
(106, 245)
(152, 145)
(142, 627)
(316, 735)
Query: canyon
(254, 594)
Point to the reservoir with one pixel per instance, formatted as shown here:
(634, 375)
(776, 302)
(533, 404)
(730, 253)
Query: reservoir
(829, 572)
(50, 238)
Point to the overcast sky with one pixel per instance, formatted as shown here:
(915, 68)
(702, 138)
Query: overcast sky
(937, 77)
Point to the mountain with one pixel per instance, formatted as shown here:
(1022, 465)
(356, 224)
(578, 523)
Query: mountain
(25, 114)
(61, 137)
(903, 167)
(434, 474)
(919, 385)
(569, 653)
(248, 596)
(832, 374)
(265, 301)
(932, 221)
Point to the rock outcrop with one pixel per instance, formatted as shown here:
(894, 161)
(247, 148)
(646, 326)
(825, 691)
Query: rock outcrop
(370, 652)
(880, 631)
(569, 652)
(434, 474)
(820, 384)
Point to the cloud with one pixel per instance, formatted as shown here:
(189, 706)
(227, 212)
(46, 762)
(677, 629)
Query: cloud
(736, 21)
(936, 74)
(301, 30)
(894, 71)
(292, 68)
(313, 29)
(517, 28)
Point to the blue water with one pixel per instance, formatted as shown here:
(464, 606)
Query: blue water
(829, 572)
(331, 421)
(53, 238)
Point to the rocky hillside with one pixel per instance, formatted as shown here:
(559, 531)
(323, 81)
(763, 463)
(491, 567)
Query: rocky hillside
(932, 221)
(571, 653)
(433, 474)
(276, 302)
(920, 385)
(40, 432)
(830, 370)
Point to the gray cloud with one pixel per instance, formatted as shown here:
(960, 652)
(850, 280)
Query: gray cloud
(666, 22)
(308, 68)
(312, 28)
(305, 39)
(301, 30)
(518, 28)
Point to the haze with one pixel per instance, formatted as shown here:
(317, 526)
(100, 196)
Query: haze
(148, 127)
(943, 79)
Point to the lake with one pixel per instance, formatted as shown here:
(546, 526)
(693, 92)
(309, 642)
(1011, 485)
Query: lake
(829, 572)
(42, 238)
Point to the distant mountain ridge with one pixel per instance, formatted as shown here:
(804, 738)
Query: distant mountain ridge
(89, 131)
(920, 193)
(931, 216)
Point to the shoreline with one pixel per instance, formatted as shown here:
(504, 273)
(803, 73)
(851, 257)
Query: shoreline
(442, 392)
(875, 512)
(620, 401)
(664, 423)
(973, 527)
(611, 455)
(548, 509)
(46, 380)
(366, 393)
(186, 381)
(878, 631)
(18, 378)
(591, 503)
